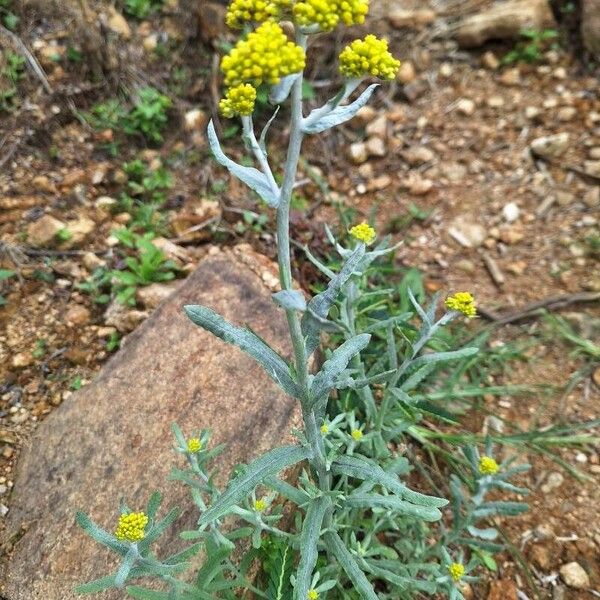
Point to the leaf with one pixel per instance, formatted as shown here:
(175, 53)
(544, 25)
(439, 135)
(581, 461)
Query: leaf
(279, 568)
(141, 593)
(509, 509)
(262, 142)
(309, 539)
(287, 491)
(5, 274)
(158, 529)
(318, 307)
(367, 470)
(99, 535)
(393, 503)
(290, 300)
(488, 533)
(126, 566)
(256, 472)
(348, 563)
(252, 177)
(280, 92)
(340, 114)
(275, 366)
(437, 357)
(98, 585)
(324, 380)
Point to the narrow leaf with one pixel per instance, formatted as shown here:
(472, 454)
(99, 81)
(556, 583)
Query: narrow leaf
(290, 300)
(98, 585)
(393, 503)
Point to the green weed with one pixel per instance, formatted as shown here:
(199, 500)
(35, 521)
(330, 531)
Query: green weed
(531, 49)
(4, 275)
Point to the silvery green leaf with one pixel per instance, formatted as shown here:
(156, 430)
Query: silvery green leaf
(488, 533)
(340, 114)
(287, 491)
(393, 503)
(309, 539)
(141, 593)
(367, 470)
(509, 487)
(125, 567)
(256, 472)
(290, 300)
(324, 380)
(437, 357)
(416, 378)
(252, 177)
(424, 316)
(391, 321)
(508, 509)
(158, 529)
(98, 585)
(319, 305)
(262, 142)
(153, 505)
(279, 93)
(275, 366)
(101, 536)
(315, 261)
(361, 584)
(345, 381)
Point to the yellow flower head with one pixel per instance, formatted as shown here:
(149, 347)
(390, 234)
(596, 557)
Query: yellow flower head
(260, 505)
(324, 429)
(312, 595)
(357, 435)
(456, 571)
(239, 100)
(488, 466)
(266, 55)
(241, 12)
(194, 445)
(368, 57)
(462, 302)
(363, 233)
(131, 527)
(328, 13)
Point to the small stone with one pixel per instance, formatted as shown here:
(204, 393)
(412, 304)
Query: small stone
(466, 265)
(564, 198)
(22, 360)
(465, 106)
(152, 295)
(490, 61)
(553, 481)
(79, 230)
(415, 19)
(511, 77)
(596, 376)
(566, 114)
(551, 146)
(376, 147)
(467, 233)
(512, 234)
(365, 115)
(150, 42)
(417, 185)
(3, 510)
(43, 184)
(418, 155)
(77, 315)
(495, 101)
(592, 197)
(594, 153)
(123, 318)
(581, 458)
(378, 127)
(574, 575)
(117, 23)
(358, 153)
(455, 172)
(195, 120)
(503, 589)
(517, 268)
(91, 262)
(42, 233)
(532, 112)
(105, 202)
(560, 73)
(446, 70)
(379, 183)
(406, 73)
(511, 212)
(540, 557)
(592, 168)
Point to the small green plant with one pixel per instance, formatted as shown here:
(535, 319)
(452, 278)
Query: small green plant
(98, 285)
(63, 235)
(9, 19)
(532, 47)
(141, 9)
(12, 72)
(41, 348)
(114, 342)
(4, 275)
(76, 383)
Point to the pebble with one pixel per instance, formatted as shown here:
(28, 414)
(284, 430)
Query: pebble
(376, 147)
(511, 77)
(567, 113)
(22, 360)
(465, 106)
(378, 127)
(490, 61)
(195, 120)
(467, 233)
(594, 153)
(592, 167)
(154, 294)
(553, 481)
(42, 233)
(511, 212)
(551, 146)
(574, 575)
(3, 510)
(358, 153)
(406, 73)
(418, 155)
(77, 315)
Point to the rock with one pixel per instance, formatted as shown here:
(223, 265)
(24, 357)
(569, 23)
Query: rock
(42, 233)
(358, 153)
(379, 183)
(574, 575)
(596, 376)
(503, 589)
(553, 481)
(532, 113)
(467, 233)
(77, 315)
(551, 146)
(123, 318)
(495, 101)
(152, 295)
(417, 185)
(378, 127)
(365, 115)
(22, 360)
(590, 26)
(211, 21)
(503, 21)
(150, 42)
(195, 120)
(490, 61)
(91, 262)
(540, 557)
(592, 167)
(566, 114)
(511, 212)
(511, 77)
(465, 106)
(112, 438)
(592, 197)
(79, 230)
(413, 19)
(172, 251)
(43, 184)
(418, 155)
(453, 171)
(594, 153)
(117, 23)
(376, 147)
(406, 73)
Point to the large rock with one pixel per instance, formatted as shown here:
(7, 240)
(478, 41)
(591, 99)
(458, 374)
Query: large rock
(590, 25)
(113, 438)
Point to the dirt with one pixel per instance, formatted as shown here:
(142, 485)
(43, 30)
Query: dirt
(530, 220)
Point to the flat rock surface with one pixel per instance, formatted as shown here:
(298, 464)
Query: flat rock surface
(113, 438)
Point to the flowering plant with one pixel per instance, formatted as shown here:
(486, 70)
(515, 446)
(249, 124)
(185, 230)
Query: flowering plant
(360, 531)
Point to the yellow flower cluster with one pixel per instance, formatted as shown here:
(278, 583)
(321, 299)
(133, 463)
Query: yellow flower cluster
(363, 233)
(266, 55)
(194, 445)
(131, 527)
(488, 466)
(241, 12)
(324, 429)
(462, 302)
(357, 435)
(239, 100)
(368, 56)
(328, 13)
(456, 571)
(260, 505)
(312, 595)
